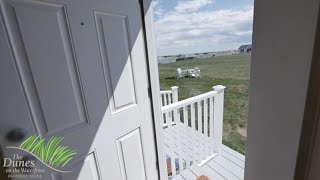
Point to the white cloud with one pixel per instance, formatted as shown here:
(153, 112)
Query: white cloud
(193, 5)
(199, 31)
(155, 3)
(158, 10)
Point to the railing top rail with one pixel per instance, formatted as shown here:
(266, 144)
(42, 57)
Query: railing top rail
(165, 92)
(188, 101)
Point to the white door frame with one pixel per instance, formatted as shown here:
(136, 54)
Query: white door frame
(260, 140)
(278, 85)
(155, 86)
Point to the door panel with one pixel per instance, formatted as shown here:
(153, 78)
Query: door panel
(132, 166)
(114, 45)
(89, 169)
(52, 65)
(84, 169)
(12, 94)
(77, 69)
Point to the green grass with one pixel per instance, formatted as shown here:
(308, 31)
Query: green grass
(231, 71)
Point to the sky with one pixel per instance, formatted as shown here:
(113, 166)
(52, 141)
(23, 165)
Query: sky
(191, 26)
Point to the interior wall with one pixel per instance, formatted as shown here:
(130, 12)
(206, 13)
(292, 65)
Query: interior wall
(283, 40)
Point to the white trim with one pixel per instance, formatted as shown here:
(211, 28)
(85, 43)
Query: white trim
(155, 87)
(194, 99)
(279, 76)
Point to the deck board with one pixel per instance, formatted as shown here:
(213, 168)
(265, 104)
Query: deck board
(206, 170)
(225, 172)
(178, 177)
(232, 158)
(226, 166)
(232, 167)
(233, 153)
(187, 174)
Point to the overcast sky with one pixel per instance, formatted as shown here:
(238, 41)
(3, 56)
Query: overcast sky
(189, 26)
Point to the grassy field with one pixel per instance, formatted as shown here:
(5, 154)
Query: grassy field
(231, 71)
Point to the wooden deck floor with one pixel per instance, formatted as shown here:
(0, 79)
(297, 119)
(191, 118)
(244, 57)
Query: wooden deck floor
(228, 165)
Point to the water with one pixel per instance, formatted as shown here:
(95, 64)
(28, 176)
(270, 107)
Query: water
(166, 60)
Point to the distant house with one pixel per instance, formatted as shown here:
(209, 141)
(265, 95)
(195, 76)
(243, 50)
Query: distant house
(204, 55)
(245, 48)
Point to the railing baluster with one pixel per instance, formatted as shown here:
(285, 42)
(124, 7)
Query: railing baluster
(200, 130)
(169, 118)
(169, 98)
(167, 113)
(205, 130)
(179, 139)
(161, 96)
(193, 134)
(211, 127)
(165, 98)
(171, 113)
(176, 116)
(164, 119)
(185, 122)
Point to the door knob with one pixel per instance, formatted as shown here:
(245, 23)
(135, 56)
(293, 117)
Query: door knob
(17, 134)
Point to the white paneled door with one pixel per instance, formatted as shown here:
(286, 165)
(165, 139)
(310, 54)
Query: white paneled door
(77, 69)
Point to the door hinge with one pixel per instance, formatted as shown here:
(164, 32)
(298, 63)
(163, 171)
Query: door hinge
(149, 92)
(157, 165)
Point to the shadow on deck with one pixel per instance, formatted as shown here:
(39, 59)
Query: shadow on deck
(228, 165)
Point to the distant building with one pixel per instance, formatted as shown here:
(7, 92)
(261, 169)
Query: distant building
(203, 55)
(245, 48)
(166, 59)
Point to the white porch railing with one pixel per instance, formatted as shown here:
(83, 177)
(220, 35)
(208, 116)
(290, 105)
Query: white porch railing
(192, 128)
(169, 96)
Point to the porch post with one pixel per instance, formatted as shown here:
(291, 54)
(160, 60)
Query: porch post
(174, 90)
(218, 117)
(176, 113)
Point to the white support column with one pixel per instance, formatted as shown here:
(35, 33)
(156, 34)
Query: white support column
(174, 90)
(176, 113)
(218, 117)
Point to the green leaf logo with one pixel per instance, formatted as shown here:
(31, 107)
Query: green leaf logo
(51, 153)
